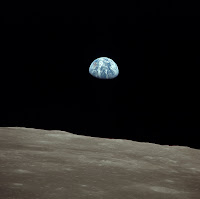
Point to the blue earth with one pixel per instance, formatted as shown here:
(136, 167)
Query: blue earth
(104, 68)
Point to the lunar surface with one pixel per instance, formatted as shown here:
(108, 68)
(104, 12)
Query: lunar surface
(43, 164)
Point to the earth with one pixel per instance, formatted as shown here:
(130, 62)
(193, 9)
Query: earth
(104, 68)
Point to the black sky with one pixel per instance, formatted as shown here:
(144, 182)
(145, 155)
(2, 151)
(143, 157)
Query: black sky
(45, 83)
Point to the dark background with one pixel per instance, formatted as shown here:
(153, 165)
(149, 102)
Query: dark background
(45, 82)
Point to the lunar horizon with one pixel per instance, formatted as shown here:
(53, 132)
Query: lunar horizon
(44, 164)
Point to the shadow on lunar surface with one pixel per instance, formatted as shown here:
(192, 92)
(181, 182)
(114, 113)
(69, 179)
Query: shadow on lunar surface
(44, 164)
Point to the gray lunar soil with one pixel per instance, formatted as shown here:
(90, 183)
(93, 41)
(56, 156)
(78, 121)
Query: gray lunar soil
(43, 164)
